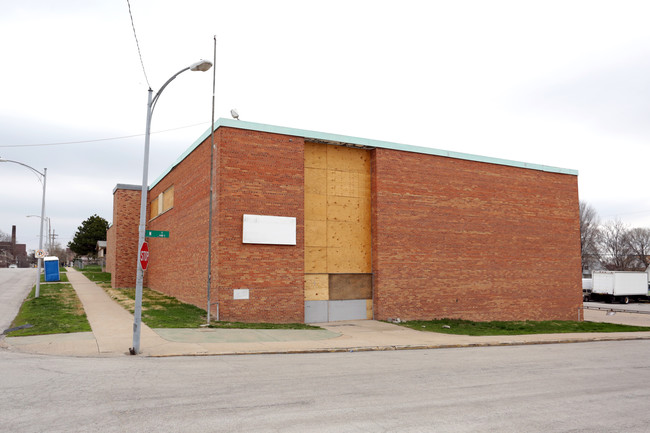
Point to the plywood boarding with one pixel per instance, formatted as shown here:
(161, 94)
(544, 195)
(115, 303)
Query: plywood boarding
(316, 234)
(168, 199)
(153, 209)
(315, 207)
(347, 184)
(316, 287)
(315, 155)
(348, 159)
(343, 209)
(350, 286)
(315, 260)
(347, 260)
(337, 210)
(315, 180)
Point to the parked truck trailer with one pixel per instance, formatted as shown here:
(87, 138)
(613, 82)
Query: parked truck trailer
(618, 286)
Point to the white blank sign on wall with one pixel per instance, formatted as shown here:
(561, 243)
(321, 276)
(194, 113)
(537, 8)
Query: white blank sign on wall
(272, 230)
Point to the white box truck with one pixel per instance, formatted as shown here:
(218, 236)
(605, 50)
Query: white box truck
(619, 286)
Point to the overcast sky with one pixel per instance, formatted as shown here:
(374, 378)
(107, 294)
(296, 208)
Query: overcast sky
(559, 83)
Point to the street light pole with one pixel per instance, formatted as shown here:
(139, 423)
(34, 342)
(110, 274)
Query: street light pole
(202, 65)
(40, 237)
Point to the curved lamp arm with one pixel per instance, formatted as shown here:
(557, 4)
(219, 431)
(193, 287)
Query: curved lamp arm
(201, 65)
(24, 165)
(43, 180)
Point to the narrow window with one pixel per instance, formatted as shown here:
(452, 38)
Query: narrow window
(162, 203)
(153, 209)
(168, 199)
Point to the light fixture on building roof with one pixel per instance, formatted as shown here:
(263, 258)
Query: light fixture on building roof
(234, 114)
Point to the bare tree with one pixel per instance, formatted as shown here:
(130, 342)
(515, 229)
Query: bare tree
(4, 237)
(639, 240)
(617, 255)
(589, 236)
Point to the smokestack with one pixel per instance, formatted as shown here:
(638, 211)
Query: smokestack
(13, 240)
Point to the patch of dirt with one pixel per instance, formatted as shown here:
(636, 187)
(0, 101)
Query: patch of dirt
(119, 296)
(69, 297)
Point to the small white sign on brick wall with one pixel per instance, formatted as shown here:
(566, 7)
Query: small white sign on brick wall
(272, 230)
(240, 294)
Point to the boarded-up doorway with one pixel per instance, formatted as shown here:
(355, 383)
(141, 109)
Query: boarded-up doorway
(338, 271)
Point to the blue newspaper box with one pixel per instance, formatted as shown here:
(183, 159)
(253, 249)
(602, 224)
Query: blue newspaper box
(51, 268)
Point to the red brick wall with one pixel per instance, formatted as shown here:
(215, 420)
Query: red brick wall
(110, 250)
(122, 238)
(262, 174)
(257, 173)
(464, 239)
(178, 264)
(451, 238)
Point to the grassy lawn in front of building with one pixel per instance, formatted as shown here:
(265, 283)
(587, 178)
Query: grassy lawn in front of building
(466, 327)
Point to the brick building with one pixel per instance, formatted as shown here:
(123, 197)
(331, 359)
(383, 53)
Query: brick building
(311, 227)
(13, 253)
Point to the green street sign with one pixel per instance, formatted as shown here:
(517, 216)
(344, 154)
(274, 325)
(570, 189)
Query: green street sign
(156, 234)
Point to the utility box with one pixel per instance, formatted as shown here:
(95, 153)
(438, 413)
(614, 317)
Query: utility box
(51, 268)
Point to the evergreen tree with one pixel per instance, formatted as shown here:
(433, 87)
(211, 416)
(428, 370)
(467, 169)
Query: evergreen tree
(88, 233)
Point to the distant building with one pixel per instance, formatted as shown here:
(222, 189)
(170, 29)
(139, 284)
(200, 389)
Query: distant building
(101, 249)
(316, 227)
(101, 253)
(12, 253)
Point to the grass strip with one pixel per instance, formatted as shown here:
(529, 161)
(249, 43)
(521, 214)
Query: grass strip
(63, 278)
(95, 274)
(158, 310)
(56, 311)
(466, 327)
(98, 277)
(162, 311)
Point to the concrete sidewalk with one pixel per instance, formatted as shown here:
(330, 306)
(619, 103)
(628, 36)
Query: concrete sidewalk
(112, 334)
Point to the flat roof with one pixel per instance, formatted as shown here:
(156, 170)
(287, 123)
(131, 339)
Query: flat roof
(355, 142)
(129, 186)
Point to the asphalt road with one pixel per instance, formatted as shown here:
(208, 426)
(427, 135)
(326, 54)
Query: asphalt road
(15, 285)
(587, 387)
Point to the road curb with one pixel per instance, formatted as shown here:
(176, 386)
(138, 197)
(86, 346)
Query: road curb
(403, 347)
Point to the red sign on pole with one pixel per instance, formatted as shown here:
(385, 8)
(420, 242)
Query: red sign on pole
(144, 256)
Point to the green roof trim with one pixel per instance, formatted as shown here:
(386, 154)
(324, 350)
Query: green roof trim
(336, 138)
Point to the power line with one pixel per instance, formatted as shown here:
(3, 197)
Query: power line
(138, 45)
(101, 139)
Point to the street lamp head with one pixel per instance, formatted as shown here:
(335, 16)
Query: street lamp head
(201, 65)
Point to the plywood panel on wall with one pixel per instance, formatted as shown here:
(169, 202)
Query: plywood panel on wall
(350, 286)
(348, 260)
(316, 287)
(337, 215)
(315, 260)
(315, 207)
(316, 234)
(344, 209)
(315, 181)
(315, 155)
(348, 159)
